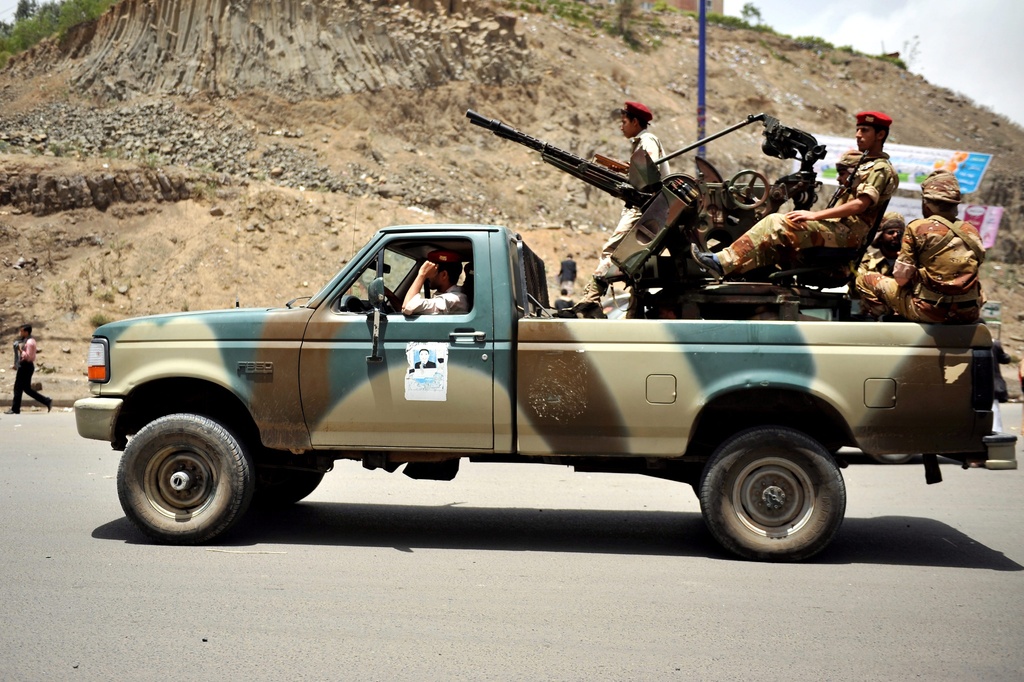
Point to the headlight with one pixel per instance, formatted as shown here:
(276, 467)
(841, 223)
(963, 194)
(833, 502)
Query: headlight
(99, 361)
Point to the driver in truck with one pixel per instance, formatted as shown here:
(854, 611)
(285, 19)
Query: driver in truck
(843, 225)
(441, 271)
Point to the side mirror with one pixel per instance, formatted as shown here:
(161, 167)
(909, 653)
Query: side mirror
(376, 292)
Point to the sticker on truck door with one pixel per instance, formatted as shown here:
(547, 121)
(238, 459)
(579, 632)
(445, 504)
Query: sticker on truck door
(427, 375)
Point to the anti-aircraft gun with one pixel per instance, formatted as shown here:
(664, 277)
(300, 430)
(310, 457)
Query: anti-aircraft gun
(635, 189)
(680, 209)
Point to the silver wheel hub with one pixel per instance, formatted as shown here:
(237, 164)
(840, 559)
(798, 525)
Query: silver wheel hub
(180, 480)
(773, 497)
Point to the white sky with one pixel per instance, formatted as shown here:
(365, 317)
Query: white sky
(975, 47)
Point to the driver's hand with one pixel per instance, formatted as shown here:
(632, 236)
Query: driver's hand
(428, 270)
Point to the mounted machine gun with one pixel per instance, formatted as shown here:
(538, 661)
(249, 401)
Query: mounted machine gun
(679, 209)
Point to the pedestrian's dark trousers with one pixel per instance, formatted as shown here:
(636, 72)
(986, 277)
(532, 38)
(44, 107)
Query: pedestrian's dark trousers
(23, 384)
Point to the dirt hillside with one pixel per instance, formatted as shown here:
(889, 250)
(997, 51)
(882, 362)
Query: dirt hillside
(185, 154)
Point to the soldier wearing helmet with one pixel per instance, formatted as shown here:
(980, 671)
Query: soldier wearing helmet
(846, 165)
(935, 278)
(843, 225)
(634, 119)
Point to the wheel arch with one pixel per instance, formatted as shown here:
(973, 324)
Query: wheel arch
(734, 411)
(161, 397)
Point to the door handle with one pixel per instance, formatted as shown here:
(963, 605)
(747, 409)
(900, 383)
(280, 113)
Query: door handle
(474, 336)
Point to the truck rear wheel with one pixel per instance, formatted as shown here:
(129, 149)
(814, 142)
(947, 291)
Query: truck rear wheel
(184, 479)
(772, 493)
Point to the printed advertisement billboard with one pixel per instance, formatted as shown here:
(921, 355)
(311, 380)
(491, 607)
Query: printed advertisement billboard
(913, 164)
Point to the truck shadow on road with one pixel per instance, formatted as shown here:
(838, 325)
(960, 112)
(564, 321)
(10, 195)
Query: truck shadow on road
(898, 540)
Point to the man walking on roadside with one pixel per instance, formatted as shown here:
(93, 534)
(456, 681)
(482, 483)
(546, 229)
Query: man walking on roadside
(26, 368)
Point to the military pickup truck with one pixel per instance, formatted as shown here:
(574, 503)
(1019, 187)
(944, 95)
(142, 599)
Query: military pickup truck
(216, 411)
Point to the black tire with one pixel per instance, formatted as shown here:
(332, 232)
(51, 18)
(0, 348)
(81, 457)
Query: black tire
(284, 487)
(184, 479)
(772, 494)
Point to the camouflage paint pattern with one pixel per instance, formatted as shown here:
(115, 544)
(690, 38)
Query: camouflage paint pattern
(538, 387)
(598, 387)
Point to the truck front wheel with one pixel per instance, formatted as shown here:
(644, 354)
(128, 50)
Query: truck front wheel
(772, 493)
(184, 479)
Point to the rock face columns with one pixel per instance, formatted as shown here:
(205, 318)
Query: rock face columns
(43, 192)
(296, 49)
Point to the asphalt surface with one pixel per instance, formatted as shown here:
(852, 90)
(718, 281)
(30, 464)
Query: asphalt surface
(507, 572)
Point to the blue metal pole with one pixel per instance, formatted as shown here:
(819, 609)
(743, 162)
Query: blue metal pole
(700, 77)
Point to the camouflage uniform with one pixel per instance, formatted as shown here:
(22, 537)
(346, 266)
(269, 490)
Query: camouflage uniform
(944, 256)
(597, 286)
(875, 261)
(774, 238)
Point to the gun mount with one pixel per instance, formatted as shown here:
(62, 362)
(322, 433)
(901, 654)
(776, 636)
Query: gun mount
(680, 209)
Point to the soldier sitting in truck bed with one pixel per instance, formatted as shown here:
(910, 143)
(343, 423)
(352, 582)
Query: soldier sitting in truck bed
(935, 278)
(844, 225)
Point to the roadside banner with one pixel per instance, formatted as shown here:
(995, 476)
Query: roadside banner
(984, 218)
(912, 164)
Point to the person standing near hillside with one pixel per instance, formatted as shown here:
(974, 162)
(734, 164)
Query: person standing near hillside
(567, 275)
(844, 225)
(635, 117)
(26, 368)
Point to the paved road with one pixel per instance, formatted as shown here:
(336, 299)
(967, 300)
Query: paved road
(508, 572)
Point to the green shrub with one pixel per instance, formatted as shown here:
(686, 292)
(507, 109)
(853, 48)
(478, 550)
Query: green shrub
(813, 43)
(52, 18)
(726, 21)
(893, 60)
(99, 319)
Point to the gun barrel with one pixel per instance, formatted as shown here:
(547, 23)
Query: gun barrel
(505, 131)
(591, 173)
(750, 119)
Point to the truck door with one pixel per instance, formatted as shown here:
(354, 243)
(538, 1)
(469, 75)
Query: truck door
(430, 386)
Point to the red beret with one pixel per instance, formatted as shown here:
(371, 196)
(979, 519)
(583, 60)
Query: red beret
(442, 256)
(875, 119)
(638, 111)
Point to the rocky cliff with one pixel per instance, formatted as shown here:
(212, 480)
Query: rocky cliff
(293, 48)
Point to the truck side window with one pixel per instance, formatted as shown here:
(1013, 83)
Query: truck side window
(397, 268)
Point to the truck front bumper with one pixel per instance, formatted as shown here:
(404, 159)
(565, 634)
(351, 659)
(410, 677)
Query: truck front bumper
(1001, 451)
(96, 417)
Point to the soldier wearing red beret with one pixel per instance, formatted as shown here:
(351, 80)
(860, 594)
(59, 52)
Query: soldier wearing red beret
(441, 271)
(635, 117)
(780, 237)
